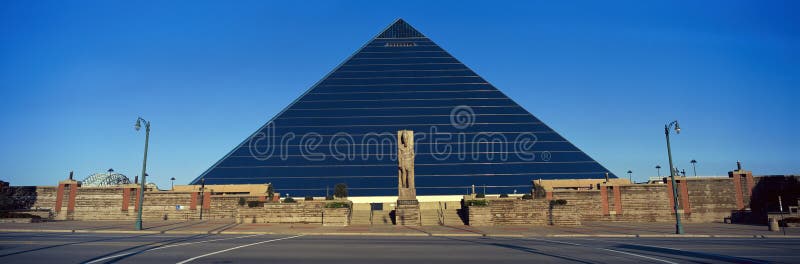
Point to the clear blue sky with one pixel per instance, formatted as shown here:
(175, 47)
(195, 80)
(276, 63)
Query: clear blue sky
(607, 76)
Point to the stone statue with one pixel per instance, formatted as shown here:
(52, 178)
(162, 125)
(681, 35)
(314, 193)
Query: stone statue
(407, 209)
(405, 158)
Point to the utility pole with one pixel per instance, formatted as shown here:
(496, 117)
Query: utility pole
(202, 195)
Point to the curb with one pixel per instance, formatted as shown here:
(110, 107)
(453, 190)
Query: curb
(116, 231)
(38, 230)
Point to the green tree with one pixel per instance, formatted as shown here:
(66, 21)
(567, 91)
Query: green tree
(340, 190)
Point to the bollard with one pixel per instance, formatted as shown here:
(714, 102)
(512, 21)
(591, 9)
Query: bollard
(773, 225)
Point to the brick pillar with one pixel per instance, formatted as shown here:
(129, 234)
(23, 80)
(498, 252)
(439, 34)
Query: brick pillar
(684, 193)
(193, 205)
(604, 199)
(262, 198)
(135, 193)
(59, 197)
(617, 199)
(737, 187)
(748, 179)
(73, 193)
(126, 198)
(670, 192)
(206, 201)
(548, 196)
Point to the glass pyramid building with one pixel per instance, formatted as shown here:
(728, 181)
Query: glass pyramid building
(344, 130)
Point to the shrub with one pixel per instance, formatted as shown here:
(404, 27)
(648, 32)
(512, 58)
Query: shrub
(527, 196)
(309, 198)
(340, 190)
(242, 202)
(480, 195)
(18, 215)
(337, 205)
(558, 202)
(289, 200)
(538, 191)
(252, 204)
(270, 192)
(503, 195)
(328, 197)
(477, 203)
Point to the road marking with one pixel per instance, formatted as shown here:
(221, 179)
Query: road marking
(163, 247)
(616, 251)
(234, 248)
(641, 256)
(667, 248)
(557, 242)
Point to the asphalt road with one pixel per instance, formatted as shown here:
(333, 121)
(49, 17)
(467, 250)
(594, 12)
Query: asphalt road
(159, 248)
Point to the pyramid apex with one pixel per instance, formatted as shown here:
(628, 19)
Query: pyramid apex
(400, 29)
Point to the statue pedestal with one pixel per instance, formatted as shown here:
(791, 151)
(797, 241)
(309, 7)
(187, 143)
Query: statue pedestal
(406, 194)
(407, 213)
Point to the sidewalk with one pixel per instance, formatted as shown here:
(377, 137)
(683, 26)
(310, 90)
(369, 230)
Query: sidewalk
(589, 229)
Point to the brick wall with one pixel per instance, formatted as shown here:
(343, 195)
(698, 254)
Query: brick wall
(522, 212)
(302, 212)
(702, 200)
(336, 216)
(644, 203)
(587, 203)
(711, 200)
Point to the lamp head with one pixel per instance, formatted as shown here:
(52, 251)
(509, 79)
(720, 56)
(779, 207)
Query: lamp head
(630, 171)
(138, 124)
(677, 127)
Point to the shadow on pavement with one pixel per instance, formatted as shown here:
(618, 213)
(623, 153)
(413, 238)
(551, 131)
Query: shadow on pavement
(692, 254)
(142, 250)
(188, 225)
(518, 248)
(72, 243)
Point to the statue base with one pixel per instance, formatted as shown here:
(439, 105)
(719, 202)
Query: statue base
(407, 213)
(406, 194)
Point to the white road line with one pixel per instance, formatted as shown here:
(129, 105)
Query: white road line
(234, 248)
(667, 248)
(616, 251)
(557, 242)
(166, 246)
(641, 256)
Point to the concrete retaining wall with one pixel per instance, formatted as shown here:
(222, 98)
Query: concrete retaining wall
(511, 211)
(701, 200)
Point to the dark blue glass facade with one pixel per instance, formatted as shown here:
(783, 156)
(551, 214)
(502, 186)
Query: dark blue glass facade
(344, 129)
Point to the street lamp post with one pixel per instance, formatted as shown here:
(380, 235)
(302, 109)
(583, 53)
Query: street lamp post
(658, 169)
(693, 162)
(138, 126)
(202, 196)
(172, 183)
(678, 226)
(630, 178)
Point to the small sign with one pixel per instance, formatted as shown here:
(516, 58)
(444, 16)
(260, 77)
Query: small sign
(179, 207)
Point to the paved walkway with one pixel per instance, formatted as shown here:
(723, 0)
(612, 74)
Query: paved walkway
(598, 229)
